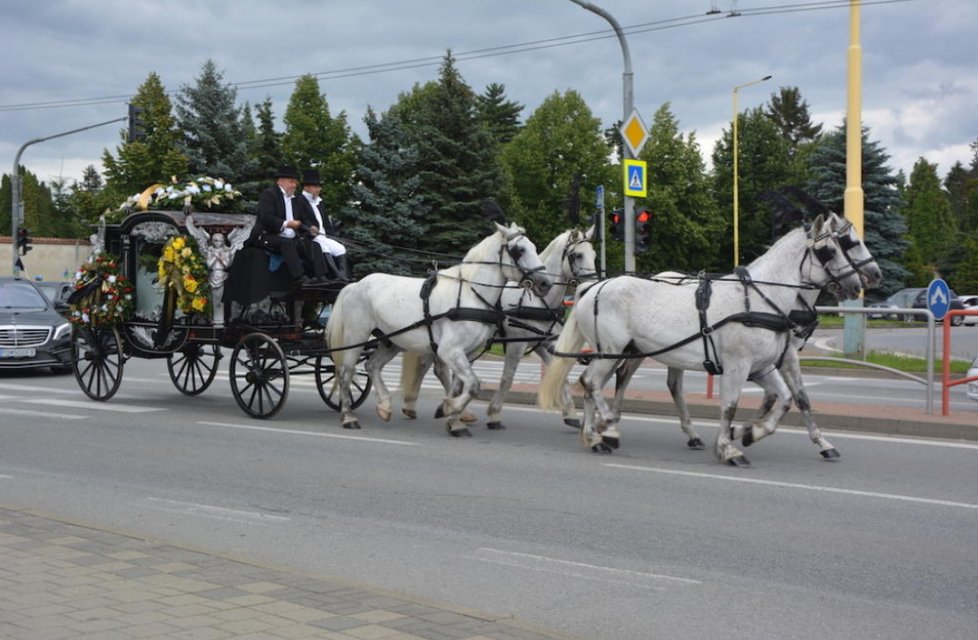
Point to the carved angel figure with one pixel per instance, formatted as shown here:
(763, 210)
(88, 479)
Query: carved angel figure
(218, 251)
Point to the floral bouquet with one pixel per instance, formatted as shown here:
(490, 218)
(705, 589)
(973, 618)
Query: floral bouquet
(182, 269)
(200, 194)
(103, 296)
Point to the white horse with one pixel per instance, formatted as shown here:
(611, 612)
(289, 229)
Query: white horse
(531, 324)
(744, 329)
(859, 259)
(449, 314)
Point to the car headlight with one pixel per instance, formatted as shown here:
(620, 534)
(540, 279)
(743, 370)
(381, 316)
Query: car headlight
(62, 331)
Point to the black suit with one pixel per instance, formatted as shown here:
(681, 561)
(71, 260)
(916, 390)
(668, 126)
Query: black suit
(295, 251)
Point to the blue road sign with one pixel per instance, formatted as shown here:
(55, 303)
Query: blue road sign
(599, 196)
(938, 298)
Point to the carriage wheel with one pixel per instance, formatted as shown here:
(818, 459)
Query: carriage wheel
(193, 368)
(259, 375)
(97, 360)
(326, 374)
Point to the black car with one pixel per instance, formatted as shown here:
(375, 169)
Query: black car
(32, 333)
(920, 302)
(57, 292)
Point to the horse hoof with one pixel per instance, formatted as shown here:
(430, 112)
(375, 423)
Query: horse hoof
(439, 412)
(351, 425)
(614, 443)
(410, 413)
(467, 416)
(830, 454)
(495, 426)
(459, 433)
(738, 461)
(695, 443)
(601, 447)
(748, 438)
(384, 414)
(573, 423)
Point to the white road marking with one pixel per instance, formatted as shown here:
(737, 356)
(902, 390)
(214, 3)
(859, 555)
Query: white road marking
(45, 414)
(210, 511)
(317, 434)
(99, 406)
(794, 485)
(26, 387)
(545, 564)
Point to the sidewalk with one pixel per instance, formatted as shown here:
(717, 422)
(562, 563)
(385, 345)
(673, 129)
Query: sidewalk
(64, 579)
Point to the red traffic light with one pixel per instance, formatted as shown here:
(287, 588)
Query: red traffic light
(615, 218)
(642, 217)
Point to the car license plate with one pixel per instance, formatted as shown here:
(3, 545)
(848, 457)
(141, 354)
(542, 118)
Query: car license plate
(23, 352)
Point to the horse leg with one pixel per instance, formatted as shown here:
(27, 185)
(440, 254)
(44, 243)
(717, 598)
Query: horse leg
(731, 384)
(791, 371)
(410, 392)
(605, 436)
(344, 378)
(774, 386)
(375, 365)
(514, 352)
(459, 365)
(567, 407)
(674, 381)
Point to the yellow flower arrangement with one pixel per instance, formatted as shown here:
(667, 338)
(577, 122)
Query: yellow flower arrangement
(105, 295)
(182, 269)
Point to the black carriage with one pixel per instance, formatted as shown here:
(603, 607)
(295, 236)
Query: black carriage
(271, 324)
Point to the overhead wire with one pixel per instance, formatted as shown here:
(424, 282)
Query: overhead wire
(499, 50)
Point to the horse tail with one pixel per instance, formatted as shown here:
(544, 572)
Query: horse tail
(413, 368)
(570, 341)
(335, 330)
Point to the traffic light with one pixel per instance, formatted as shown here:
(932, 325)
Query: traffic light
(24, 241)
(643, 224)
(137, 127)
(618, 224)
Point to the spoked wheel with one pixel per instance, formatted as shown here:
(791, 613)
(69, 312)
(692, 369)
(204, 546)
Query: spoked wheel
(259, 375)
(97, 360)
(192, 369)
(326, 375)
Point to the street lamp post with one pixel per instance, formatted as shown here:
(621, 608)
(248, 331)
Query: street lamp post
(736, 189)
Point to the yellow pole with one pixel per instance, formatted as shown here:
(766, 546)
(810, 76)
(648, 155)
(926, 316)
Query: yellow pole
(854, 327)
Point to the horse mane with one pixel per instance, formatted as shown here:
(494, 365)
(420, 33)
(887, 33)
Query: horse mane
(560, 241)
(486, 250)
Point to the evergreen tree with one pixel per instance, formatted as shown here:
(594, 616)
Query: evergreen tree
(266, 149)
(789, 113)
(561, 139)
(154, 159)
(885, 227)
(686, 227)
(91, 199)
(499, 115)
(928, 212)
(316, 140)
(457, 160)
(764, 164)
(214, 140)
(39, 211)
(959, 183)
(386, 223)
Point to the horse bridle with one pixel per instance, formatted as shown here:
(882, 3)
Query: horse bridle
(516, 253)
(825, 253)
(844, 237)
(571, 257)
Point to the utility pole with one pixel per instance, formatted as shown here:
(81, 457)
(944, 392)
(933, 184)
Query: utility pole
(628, 105)
(17, 204)
(854, 327)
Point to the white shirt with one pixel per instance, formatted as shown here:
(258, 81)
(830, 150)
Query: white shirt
(314, 201)
(286, 232)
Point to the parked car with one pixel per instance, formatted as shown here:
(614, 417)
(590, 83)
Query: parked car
(57, 292)
(902, 299)
(32, 333)
(920, 302)
(970, 303)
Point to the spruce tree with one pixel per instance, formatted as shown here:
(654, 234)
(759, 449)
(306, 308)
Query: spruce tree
(385, 226)
(214, 140)
(499, 115)
(885, 227)
(927, 209)
(789, 113)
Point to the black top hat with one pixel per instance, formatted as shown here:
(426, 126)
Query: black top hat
(287, 172)
(311, 176)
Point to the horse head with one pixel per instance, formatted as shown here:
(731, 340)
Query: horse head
(519, 259)
(856, 252)
(577, 261)
(841, 278)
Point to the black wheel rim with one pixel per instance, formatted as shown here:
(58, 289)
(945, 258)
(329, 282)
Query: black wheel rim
(193, 369)
(326, 374)
(259, 376)
(97, 361)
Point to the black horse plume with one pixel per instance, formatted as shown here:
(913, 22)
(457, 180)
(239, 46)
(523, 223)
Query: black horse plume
(574, 201)
(784, 214)
(812, 206)
(492, 210)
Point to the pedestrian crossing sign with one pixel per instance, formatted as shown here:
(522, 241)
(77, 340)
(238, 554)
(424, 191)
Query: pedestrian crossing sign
(636, 179)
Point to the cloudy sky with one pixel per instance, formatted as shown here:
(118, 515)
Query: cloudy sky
(69, 64)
